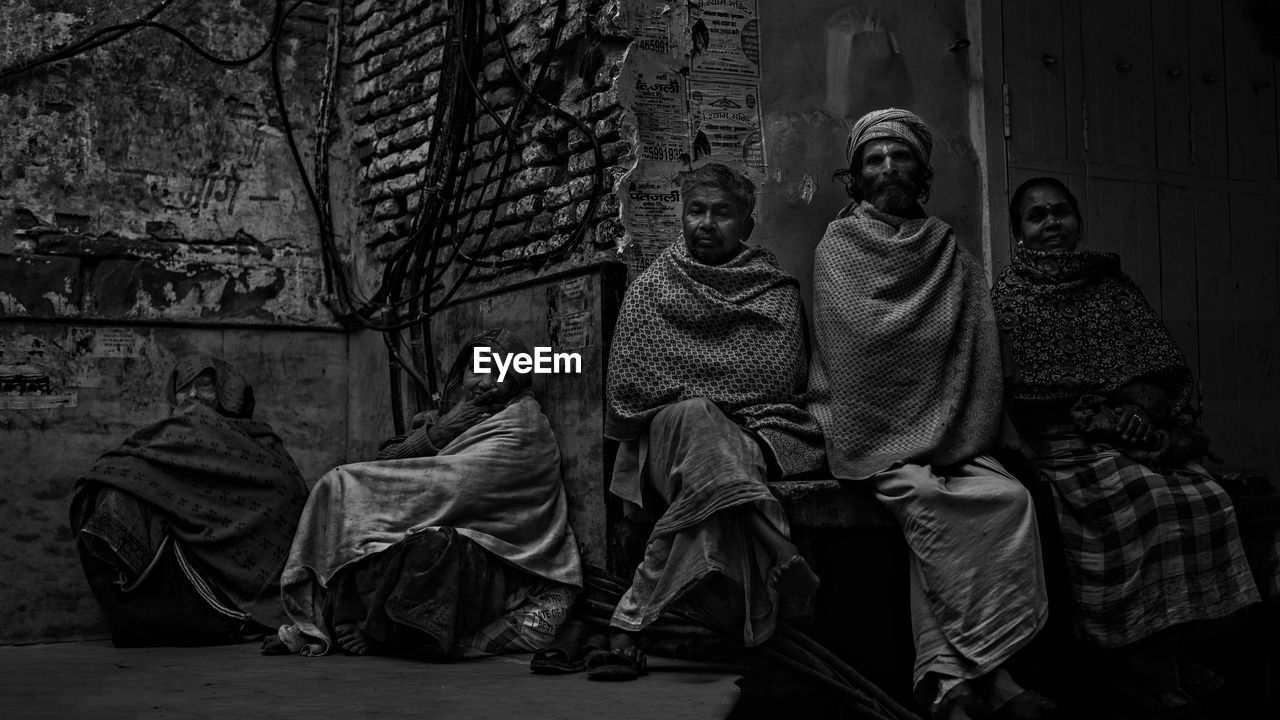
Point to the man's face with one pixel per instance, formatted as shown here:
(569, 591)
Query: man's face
(889, 175)
(715, 225)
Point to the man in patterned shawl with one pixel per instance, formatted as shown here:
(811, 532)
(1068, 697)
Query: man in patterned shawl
(907, 387)
(707, 368)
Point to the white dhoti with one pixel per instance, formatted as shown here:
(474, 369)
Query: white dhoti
(977, 577)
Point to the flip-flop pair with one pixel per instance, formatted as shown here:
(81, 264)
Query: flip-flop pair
(570, 653)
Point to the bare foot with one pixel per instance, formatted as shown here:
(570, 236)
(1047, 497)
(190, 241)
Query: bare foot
(352, 639)
(792, 576)
(960, 703)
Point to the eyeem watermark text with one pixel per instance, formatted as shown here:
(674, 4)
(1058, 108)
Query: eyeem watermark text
(541, 362)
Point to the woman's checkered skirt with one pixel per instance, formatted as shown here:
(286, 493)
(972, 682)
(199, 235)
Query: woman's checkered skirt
(1145, 550)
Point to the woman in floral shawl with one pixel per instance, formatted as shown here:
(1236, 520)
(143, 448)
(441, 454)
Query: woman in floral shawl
(1104, 397)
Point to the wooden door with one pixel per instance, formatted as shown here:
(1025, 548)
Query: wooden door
(1161, 116)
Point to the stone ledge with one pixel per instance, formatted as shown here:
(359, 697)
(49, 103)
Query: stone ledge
(831, 503)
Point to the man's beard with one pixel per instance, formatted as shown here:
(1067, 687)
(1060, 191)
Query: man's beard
(895, 196)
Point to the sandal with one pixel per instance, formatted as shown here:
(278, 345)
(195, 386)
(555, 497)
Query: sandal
(605, 664)
(960, 702)
(1198, 682)
(566, 653)
(1028, 705)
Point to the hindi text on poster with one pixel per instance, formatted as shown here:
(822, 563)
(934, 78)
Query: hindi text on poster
(726, 124)
(651, 211)
(726, 38)
(653, 24)
(662, 112)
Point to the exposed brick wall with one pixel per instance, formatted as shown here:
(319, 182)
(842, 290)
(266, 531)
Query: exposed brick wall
(396, 61)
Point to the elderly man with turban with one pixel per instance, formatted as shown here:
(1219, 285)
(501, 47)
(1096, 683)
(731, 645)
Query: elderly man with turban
(907, 387)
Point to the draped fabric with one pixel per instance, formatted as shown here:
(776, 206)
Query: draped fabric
(978, 591)
(700, 472)
(1151, 540)
(431, 590)
(1145, 550)
(443, 595)
(226, 488)
(1075, 324)
(908, 362)
(731, 333)
(497, 484)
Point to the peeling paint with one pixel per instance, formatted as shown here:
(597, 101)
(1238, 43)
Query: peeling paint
(10, 305)
(61, 306)
(141, 135)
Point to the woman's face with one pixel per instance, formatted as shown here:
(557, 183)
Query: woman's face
(1047, 221)
(475, 384)
(201, 390)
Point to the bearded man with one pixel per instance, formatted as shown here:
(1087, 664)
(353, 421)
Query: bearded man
(907, 386)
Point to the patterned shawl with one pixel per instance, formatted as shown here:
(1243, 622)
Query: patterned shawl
(1075, 324)
(228, 489)
(908, 367)
(731, 333)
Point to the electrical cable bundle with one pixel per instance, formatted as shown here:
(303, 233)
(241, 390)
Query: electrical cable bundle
(414, 274)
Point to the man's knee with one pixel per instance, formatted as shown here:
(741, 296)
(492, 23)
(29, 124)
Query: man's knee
(1009, 493)
(697, 409)
(920, 484)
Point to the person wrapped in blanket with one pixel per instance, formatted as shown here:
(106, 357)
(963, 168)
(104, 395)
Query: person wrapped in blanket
(706, 372)
(1105, 398)
(454, 543)
(907, 387)
(184, 529)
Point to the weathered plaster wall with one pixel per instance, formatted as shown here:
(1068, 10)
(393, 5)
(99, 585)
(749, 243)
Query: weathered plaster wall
(115, 383)
(825, 63)
(149, 208)
(771, 88)
(140, 181)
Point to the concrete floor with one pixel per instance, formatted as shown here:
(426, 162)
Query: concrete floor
(96, 680)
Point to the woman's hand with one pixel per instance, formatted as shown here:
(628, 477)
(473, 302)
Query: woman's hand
(1135, 425)
(461, 416)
